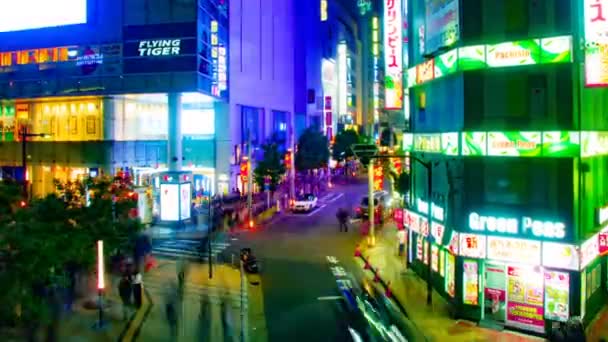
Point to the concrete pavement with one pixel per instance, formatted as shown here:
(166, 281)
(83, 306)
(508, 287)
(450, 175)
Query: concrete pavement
(297, 282)
(211, 308)
(409, 290)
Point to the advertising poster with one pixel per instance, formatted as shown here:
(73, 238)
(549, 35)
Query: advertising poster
(442, 24)
(583, 295)
(470, 280)
(450, 274)
(560, 255)
(596, 43)
(495, 290)
(516, 144)
(419, 251)
(525, 308)
(434, 258)
(169, 202)
(185, 200)
(442, 262)
(557, 294)
(474, 143)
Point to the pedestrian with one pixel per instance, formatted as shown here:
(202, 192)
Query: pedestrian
(125, 290)
(137, 288)
(342, 216)
(401, 239)
(171, 313)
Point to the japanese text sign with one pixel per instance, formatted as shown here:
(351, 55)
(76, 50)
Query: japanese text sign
(596, 42)
(393, 58)
(472, 245)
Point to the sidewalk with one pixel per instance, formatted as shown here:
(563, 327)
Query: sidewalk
(80, 324)
(409, 290)
(201, 316)
(598, 328)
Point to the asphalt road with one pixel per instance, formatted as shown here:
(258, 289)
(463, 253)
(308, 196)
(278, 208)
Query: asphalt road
(302, 256)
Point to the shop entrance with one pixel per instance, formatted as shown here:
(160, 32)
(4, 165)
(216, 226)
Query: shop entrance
(495, 292)
(514, 296)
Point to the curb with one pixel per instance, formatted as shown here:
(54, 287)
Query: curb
(133, 327)
(392, 298)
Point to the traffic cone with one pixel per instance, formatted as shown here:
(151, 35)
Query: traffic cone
(376, 276)
(388, 293)
(358, 251)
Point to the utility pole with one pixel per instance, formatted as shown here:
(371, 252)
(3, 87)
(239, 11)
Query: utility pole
(371, 203)
(292, 169)
(249, 180)
(210, 228)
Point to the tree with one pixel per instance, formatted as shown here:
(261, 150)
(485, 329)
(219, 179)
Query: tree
(342, 146)
(386, 136)
(271, 166)
(402, 183)
(313, 150)
(42, 239)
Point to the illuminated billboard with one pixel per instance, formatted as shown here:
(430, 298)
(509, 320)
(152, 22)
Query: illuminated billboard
(596, 43)
(23, 15)
(442, 24)
(508, 54)
(393, 55)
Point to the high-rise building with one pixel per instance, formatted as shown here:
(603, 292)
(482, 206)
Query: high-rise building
(137, 86)
(506, 102)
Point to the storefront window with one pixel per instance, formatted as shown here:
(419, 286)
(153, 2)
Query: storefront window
(525, 295)
(557, 294)
(470, 280)
(450, 273)
(495, 291)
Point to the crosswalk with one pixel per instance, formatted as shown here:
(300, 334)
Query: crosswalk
(187, 249)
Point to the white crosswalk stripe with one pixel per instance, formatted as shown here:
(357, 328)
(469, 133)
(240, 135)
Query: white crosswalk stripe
(159, 287)
(187, 249)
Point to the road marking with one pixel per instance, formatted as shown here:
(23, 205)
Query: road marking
(332, 259)
(338, 271)
(316, 210)
(335, 198)
(329, 298)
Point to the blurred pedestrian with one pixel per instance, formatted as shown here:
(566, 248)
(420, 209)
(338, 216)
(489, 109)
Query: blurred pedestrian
(137, 288)
(125, 290)
(401, 239)
(171, 312)
(342, 216)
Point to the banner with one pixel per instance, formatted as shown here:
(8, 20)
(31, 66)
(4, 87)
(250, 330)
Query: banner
(393, 55)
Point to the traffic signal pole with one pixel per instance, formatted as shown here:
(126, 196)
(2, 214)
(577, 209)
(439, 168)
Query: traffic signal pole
(371, 241)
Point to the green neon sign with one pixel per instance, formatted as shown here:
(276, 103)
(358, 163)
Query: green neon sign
(552, 144)
(507, 54)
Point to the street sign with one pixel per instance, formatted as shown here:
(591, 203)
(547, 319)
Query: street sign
(364, 152)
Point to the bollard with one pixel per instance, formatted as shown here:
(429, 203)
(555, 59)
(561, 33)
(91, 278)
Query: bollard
(367, 266)
(358, 251)
(376, 276)
(388, 292)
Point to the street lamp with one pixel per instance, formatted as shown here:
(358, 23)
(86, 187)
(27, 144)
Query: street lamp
(23, 135)
(367, 153)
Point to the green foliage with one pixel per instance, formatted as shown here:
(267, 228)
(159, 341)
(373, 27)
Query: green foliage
(341, 149)
(386, 136)
(402, 183)
(270, 166)
(44, 237)
(313, 150)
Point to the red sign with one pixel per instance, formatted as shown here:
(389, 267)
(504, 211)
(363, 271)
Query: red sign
(244, 171)
(398, 217)
(328, 118)
(603, 243)
(327, 102)
(378, 177)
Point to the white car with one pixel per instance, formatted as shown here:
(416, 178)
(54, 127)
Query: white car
(305, 202)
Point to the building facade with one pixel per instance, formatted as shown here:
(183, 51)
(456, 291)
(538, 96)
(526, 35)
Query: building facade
(329, 68)
(507, 109)
(262, 50)
(138, 86)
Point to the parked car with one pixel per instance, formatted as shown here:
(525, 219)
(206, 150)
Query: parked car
(380, 198)
(306, 202)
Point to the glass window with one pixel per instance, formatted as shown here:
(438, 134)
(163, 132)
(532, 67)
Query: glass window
(251, 123)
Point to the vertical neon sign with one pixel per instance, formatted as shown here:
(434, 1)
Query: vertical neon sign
(101, 284)
(218, 58)
(342, 80)
(406, 62)
(393, 60)
(596, 43)
(376, 57)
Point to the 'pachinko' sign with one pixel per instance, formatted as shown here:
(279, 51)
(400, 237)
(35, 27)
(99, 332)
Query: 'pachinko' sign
(393, 58)
(596, 42)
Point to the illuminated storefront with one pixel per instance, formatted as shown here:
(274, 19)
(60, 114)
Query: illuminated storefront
(517, 271)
